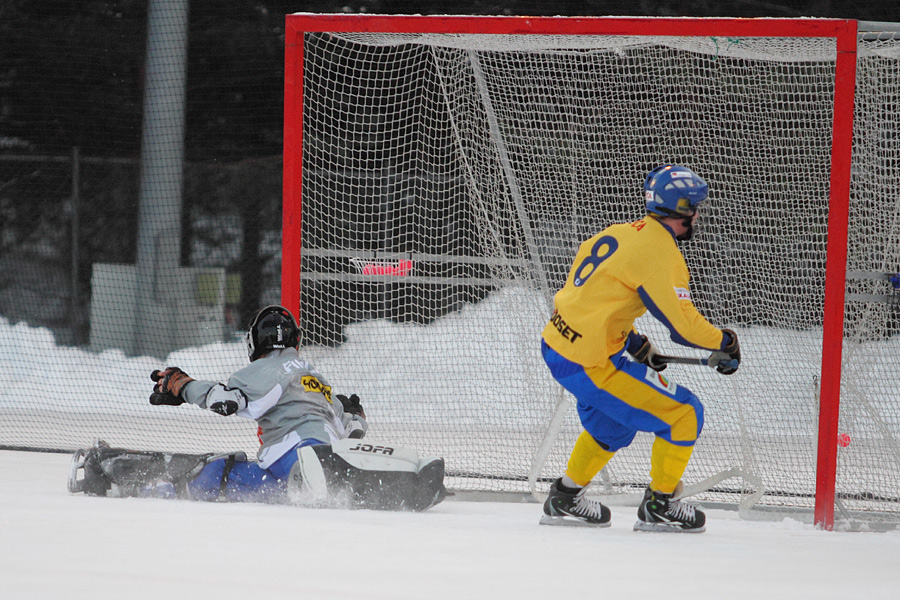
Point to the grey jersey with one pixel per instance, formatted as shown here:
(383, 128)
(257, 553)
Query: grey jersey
(288, 398)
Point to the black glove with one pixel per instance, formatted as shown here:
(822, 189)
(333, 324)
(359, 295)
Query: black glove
(644, 352)
(728, 359)
(351, 405)
(169, 384)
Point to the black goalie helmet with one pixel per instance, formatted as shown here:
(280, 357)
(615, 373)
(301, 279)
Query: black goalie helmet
(272, 328)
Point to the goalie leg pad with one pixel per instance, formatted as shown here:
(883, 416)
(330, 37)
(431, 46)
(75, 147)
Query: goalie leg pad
(378, 477)
(119, 472)
(307, 482)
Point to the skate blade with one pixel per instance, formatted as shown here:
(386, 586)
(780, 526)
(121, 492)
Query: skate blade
(570, 522)
(75, 485)
(665, 528)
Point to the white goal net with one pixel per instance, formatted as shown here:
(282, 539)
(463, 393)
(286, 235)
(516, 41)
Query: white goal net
(447, 180)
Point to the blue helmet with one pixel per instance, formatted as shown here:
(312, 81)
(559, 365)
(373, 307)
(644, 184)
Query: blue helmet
(674, 191)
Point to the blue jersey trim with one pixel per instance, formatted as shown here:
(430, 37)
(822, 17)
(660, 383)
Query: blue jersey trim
(656, 312)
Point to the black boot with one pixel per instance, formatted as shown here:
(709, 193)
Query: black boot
(664, 512)
(571, 507)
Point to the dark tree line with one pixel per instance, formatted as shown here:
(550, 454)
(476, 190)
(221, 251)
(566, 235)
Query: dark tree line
(71, 70)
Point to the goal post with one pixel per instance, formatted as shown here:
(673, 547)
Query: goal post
(835, 275)
(482, 149)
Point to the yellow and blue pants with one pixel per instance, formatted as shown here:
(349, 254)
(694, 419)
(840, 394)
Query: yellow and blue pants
(620, 398)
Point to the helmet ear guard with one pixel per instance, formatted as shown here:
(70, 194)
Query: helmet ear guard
(273, 327)
(684, 207)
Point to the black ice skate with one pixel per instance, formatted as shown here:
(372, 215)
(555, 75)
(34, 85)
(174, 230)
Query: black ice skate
(664, 512)
(93, 481)
(574, 509)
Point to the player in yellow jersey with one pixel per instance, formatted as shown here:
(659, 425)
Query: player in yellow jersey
(618, 275)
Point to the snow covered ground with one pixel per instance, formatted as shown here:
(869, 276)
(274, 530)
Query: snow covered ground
(471, 387)
(61, 546)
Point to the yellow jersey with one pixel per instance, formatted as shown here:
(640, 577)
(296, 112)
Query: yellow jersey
(618, 275)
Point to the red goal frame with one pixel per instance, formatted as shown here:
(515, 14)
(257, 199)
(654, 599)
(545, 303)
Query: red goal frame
(843, 31)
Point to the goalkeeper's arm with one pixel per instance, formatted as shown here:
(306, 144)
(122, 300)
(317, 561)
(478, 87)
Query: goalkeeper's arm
(171, 389)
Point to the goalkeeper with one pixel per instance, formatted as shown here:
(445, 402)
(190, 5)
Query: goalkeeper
(310, 450)
(618, 275)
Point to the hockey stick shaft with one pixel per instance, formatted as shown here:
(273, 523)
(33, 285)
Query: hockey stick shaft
(682, 360)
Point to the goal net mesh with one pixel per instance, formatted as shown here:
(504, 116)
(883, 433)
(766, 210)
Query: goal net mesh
(869, 467)
(484, 160)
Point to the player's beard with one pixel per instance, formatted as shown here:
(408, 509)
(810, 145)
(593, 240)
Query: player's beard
(690, 228)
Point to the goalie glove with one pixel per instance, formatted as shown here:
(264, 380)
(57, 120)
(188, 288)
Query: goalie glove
(169, 384)
(728, 359)
(351, 405)
(644, 352)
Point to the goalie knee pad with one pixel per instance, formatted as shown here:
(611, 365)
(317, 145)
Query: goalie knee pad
(362, 475)
(307, 482)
